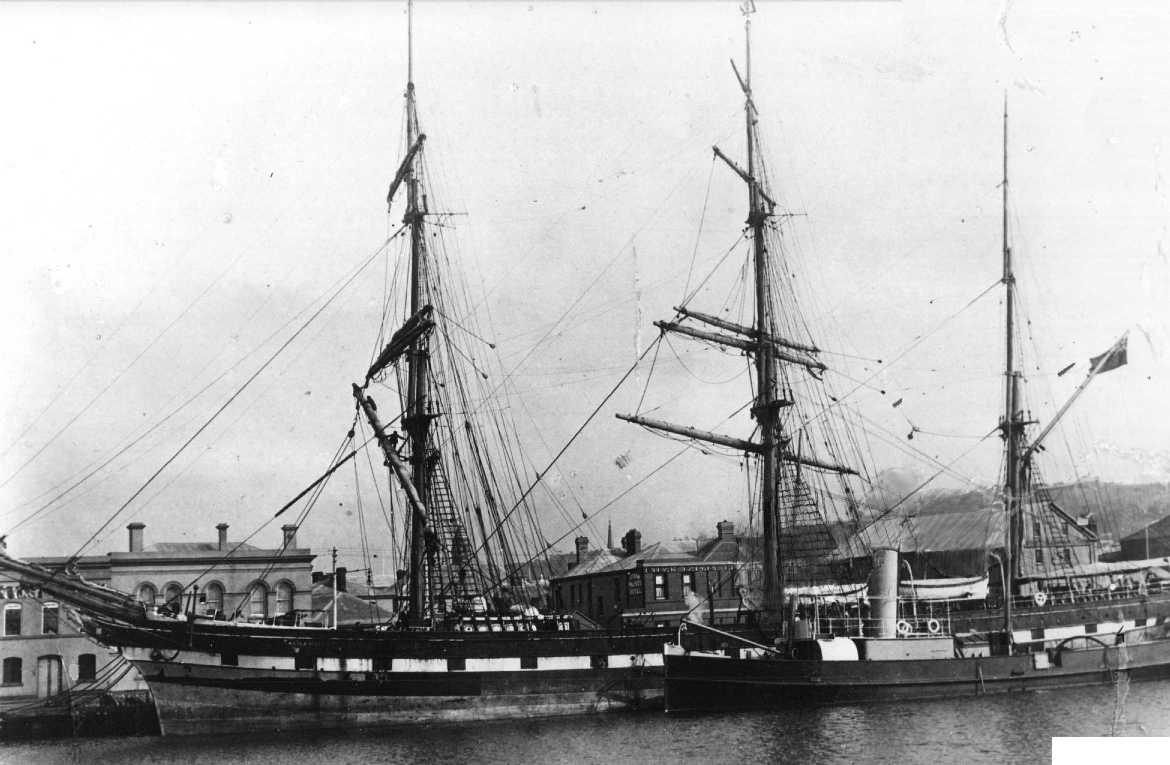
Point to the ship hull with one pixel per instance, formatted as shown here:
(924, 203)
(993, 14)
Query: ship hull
(218, 677)
(700, 682)
(192, 700)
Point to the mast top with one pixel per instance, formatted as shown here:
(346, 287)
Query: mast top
(410, 44)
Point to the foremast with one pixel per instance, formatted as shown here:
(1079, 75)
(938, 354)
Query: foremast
(416, 420)
(767, 405)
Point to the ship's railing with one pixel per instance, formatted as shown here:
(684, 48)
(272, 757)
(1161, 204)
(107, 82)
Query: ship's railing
(924, 623)
(1122, 589)
(513, 623)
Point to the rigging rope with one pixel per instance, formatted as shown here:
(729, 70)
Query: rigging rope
(917, 341)
(233, 397)
(571, 440)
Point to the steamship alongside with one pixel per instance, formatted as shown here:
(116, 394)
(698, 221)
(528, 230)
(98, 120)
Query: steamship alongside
(836, 631)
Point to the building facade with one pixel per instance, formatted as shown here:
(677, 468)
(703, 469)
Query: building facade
(42, 648)
(659, 585)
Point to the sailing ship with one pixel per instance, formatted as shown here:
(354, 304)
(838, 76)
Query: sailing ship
(471, 640)
(835, 631)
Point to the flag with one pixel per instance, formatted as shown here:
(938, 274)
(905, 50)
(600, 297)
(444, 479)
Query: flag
(1112, 358)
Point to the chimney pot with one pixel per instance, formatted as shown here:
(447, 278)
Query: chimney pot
(222, 529)
(725, 529)
(582, 547)
(632, 542)
(136, 536)
(339, 581)
(290, 536)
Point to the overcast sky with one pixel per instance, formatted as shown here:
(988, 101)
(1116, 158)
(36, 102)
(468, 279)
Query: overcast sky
(178, 181)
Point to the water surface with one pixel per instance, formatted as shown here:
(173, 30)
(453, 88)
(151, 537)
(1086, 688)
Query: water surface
(995, 729)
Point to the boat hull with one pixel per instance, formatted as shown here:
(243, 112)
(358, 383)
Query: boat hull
(193, 700)
(700, 682)
(212, 677)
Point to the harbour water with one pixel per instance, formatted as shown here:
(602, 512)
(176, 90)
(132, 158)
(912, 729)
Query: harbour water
(1013, 728)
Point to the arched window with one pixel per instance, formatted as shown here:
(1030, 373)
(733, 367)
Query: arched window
(147, 594)
(173, 597)
(258, 600)
(284, 598)
(213, 598)
(86, 667)
(13, 671)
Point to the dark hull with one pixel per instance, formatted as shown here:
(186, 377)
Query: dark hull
(193, 700)
(236, 678)
(707, 683)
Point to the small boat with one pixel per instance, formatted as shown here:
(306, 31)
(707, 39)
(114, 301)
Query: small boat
(949, 589)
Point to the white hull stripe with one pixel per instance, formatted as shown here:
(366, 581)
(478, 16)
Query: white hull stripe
(1103, 629)
(501, 664)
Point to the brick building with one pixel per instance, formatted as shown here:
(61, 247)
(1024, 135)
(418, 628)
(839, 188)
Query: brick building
(659, 584)
(43, 651)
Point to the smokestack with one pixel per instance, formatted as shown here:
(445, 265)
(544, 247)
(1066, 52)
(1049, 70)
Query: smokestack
(222, 529)
(883, 594)
(290, 536)
(582, 547)
(339, 581)
(725, 530)
(136, 536)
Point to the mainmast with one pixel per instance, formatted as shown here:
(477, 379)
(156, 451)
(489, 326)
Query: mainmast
(416, 419)
(1012, 424)
(766, 409)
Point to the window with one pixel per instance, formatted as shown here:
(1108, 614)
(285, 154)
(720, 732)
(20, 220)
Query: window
(258, 600)
(688, 583)
(213, 598)
(13, 671)
(173, 597)
(1036, 529)
(284, 598)
(12, 619)
(86, 667)
(1039, 556)
(660, 591)
(50, 620)
(147, 594)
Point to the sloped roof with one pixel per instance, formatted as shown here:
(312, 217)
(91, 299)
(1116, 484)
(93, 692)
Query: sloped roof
(933, 532)
(595, 560)
(727, 549)
(350, 608)
(198, 547)
(1158, 530)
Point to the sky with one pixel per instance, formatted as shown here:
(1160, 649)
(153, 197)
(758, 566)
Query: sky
(180, 182)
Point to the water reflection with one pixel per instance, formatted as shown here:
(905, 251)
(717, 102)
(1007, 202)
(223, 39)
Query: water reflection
(994, 729)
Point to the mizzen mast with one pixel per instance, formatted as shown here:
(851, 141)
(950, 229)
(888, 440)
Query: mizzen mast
(1012, 424)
